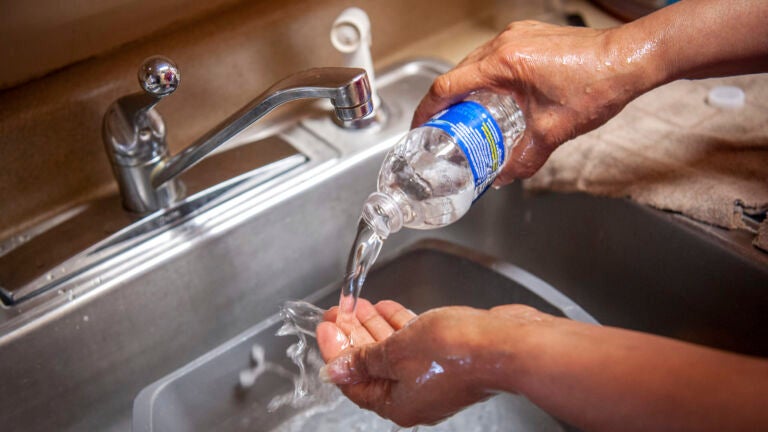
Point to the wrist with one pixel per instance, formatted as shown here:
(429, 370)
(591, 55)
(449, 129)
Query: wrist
(636, 60)
(513, 334)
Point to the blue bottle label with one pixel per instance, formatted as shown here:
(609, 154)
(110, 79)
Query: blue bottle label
(479, 137)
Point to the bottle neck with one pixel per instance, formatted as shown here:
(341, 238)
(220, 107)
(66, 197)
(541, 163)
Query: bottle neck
(383, 214)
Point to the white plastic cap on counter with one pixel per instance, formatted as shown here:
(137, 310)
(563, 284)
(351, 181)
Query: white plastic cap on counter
(729, 97)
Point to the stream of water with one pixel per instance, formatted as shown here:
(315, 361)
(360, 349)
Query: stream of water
(362, 256)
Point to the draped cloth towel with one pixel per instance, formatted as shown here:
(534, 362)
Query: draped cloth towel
(671, 150)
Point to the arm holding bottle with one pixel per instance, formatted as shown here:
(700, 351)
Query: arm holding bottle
(571, 80)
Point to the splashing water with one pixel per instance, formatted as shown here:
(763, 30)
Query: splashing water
(299, 319)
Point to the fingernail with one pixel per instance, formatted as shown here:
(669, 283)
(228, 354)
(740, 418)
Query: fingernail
(499, 182)
(324, 375)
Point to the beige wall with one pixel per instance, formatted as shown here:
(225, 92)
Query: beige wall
(37, 37)
(51, 147)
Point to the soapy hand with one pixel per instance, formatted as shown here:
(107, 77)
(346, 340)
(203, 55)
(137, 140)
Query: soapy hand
(416, 370)
(567, 80)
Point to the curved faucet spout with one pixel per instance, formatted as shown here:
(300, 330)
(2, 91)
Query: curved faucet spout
(347, 88)
(134, 133)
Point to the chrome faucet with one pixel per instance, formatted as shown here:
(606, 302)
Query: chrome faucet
(134, 133)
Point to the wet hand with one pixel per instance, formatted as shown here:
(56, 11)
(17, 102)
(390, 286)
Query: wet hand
(418, 370)
(567, 80)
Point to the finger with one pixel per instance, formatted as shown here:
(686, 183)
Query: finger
(478, 54)
(524, 161)
(448, 89)
(515, 310)
(350, 325)
(359, 336)
(396, 314)
(358, 365)
(331, 340)
(376, 325)
(331, 314)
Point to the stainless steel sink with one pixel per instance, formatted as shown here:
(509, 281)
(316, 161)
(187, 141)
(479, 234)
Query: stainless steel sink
(207, 395)
(75, 357)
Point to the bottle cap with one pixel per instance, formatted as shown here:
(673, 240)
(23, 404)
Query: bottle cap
(382, 213)
(729, 97)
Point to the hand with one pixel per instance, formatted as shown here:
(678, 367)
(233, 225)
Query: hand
(567, 81)
(419, 370)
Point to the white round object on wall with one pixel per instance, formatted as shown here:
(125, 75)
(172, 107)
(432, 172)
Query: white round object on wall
(730, 97)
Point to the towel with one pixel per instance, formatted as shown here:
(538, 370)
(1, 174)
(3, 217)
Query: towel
(671, 150)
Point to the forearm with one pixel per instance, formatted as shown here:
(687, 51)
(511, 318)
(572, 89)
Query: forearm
(608, 379)
(696, 39)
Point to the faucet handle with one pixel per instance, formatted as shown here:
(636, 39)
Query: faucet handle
(159, 76)
(134, 136)
(132, 130)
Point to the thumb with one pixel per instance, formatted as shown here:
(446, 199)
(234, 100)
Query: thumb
(526, 159)
(330, 339)
(358, 365)
(448, 89)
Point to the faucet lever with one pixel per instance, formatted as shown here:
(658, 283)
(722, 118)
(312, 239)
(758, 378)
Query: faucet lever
(131, 125)
(159, 76)
(134, 135)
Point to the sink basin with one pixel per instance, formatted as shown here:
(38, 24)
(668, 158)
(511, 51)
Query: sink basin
(74, 358)
(206, 395)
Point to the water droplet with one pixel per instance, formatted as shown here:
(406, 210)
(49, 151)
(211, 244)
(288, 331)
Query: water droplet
(257, 354)
(85, 318)
(247, 378)
(50, 277)
(145, 134)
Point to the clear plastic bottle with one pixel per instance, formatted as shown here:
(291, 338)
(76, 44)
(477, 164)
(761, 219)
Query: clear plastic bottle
(432, 176)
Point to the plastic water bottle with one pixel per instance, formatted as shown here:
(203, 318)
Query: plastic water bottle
(432, 176)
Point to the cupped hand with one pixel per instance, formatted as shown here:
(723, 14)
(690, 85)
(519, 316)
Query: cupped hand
(567, 81)
(418, 370)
